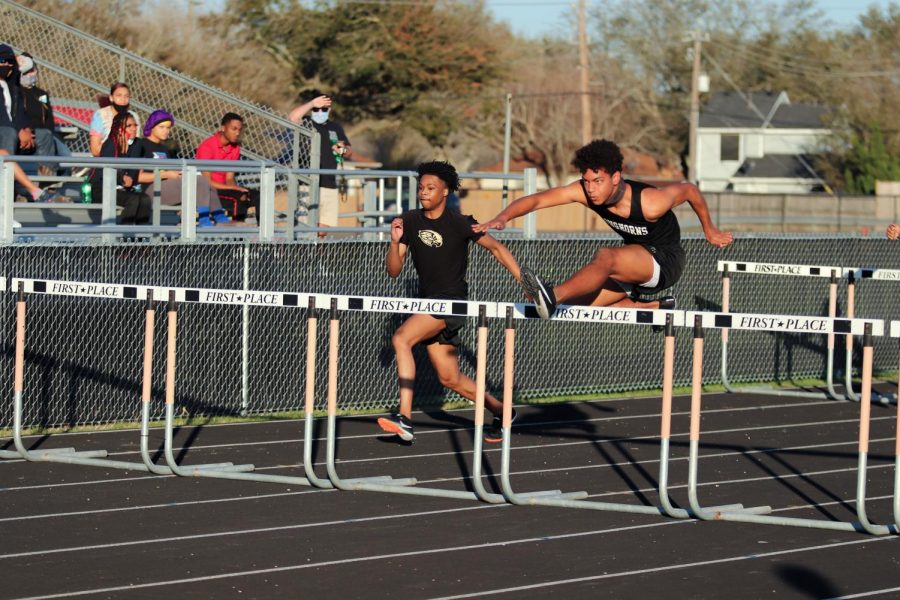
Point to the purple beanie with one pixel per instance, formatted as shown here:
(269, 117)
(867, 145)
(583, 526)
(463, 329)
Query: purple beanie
(155, 118)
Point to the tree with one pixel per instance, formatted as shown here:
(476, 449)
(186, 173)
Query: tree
(868, 161)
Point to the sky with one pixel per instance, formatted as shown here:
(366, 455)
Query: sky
(534, 18)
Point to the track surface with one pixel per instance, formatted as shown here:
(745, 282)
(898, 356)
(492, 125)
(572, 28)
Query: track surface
(103, 533)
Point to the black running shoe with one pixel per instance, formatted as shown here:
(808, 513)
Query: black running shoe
(399, 425)
(665, 303)
(494, 433)
(540, 292)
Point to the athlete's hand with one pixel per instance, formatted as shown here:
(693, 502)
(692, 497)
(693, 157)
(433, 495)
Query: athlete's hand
(495, 223)
(719, 239)
(893, 231)
(396, 229)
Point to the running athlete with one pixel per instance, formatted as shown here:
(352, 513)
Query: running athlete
(438, 238)
(651, 258)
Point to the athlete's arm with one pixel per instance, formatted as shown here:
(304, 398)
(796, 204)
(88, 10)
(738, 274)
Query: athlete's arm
(526, 204)
(396, 251)
(656, 202)
(501, 253)
(893, 231)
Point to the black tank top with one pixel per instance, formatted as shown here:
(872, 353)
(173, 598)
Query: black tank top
(635, 229)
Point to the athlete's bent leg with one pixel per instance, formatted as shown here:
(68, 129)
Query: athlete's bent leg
(629, 264)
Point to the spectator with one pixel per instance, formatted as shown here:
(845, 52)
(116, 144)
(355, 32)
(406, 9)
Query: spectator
(893, 231)
(39, 114)
(153, 145)
(225, 144)
(135, 205)
(335, 148)
(15, 135)
(117, 101)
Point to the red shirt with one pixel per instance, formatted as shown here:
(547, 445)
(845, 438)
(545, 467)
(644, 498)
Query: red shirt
(211, 149)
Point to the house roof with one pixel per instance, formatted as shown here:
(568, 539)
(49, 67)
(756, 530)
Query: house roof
(778, 166)
(730, 109)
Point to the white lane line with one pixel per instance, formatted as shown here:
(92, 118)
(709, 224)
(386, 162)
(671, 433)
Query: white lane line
(866, 594)
(471, 547)
(439, 431)
(672, 567)
(512, 474)
(465, 452)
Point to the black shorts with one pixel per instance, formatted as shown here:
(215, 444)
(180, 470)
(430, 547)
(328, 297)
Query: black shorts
(671, 263)
(450, 333)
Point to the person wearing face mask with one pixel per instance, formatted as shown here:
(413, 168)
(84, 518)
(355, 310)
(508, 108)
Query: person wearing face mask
(39, 114)
(335, 147)
(651, 258)
(135, 204)
(118, 101)
(15, 135)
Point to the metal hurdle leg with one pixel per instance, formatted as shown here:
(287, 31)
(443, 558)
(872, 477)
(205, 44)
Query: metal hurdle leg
(237, 472)
(758, 515)
(829, 369)
(92, 458)
(147, 392)
(666, 429)
(848, 367)
(396, 486)
(308, 438)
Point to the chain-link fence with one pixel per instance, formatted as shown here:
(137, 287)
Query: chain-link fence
(84, 356)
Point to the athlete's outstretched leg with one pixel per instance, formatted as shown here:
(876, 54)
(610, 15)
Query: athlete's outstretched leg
(628, 264)
(415, 329)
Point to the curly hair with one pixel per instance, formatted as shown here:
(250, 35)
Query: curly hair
(599, 154)
(442, 170)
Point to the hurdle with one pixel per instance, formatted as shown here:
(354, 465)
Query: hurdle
(854, 275)
(668, 319)
(788, 323)
(426, 306)
(831, 272)
(93, 458)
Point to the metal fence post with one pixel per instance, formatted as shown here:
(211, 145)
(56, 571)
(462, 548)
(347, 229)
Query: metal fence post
(293, 185)
(315, 162)
(266, 217)
(108, 210)
(530, 187)
(245, 338)
(188, 203)
(7, 198)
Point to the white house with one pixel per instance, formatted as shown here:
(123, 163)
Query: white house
(758, 142)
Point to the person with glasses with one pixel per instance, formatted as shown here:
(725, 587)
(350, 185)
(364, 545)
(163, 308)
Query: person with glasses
(334, 150)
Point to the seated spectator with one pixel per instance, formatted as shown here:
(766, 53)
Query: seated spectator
(15, 135)
(118, 101)
(39, 114)
(893, 231)
(135, 205)
(153, 145)
(225, 144)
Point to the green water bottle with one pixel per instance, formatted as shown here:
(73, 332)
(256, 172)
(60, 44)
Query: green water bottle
(86, 191)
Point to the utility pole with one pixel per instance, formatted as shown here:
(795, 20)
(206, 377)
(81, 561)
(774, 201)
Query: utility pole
(698, 38)
(585, 76)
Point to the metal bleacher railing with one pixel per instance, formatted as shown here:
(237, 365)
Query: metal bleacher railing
(78, 66)
(270, 223)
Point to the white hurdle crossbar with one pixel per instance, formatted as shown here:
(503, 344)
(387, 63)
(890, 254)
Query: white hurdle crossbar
(788, 323)
(830, 272)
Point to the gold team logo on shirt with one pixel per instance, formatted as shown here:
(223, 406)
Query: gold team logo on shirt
(431, 238)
